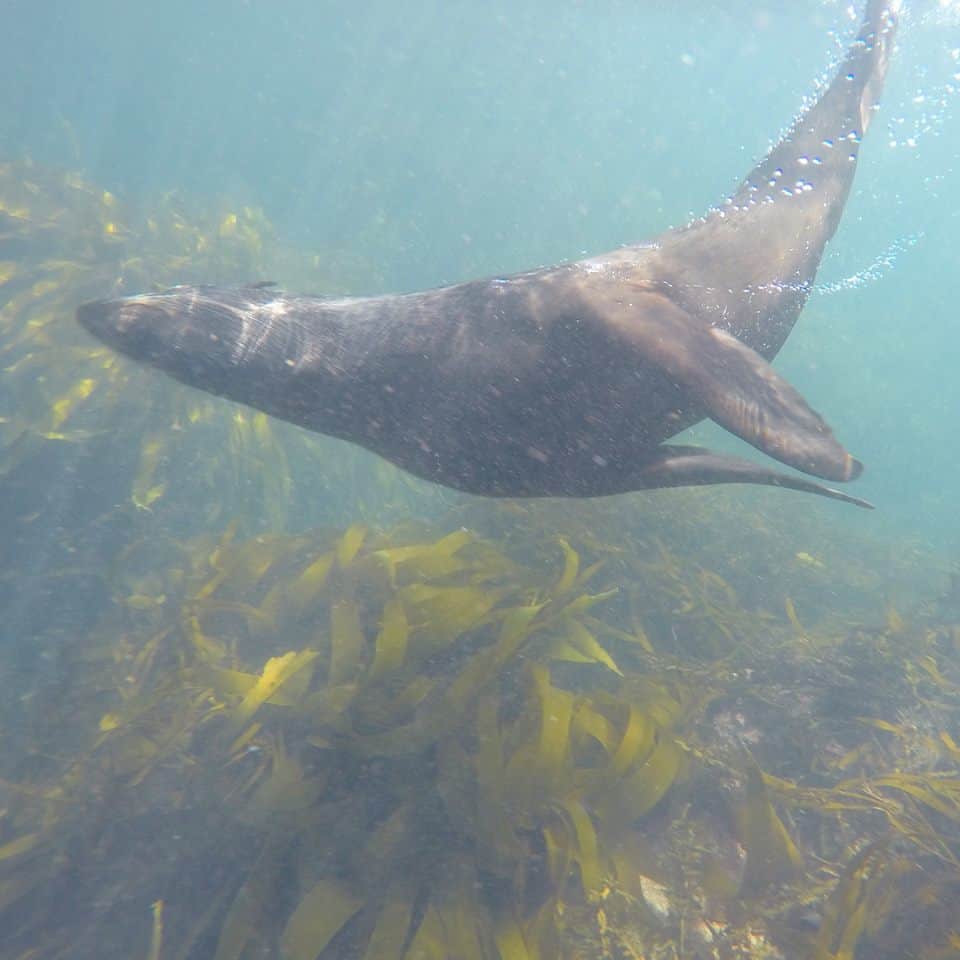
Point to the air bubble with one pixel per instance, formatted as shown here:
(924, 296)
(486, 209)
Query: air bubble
(881, 265)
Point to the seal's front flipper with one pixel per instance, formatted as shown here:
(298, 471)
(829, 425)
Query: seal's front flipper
(674, 466)
(738, 388)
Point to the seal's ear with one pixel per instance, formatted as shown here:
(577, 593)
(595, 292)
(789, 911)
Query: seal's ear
(737, 387)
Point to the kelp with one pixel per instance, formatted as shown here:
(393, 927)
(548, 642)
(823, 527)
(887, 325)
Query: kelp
(436, 661)
(420, 768)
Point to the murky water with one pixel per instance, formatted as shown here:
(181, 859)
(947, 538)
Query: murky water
(264, 695)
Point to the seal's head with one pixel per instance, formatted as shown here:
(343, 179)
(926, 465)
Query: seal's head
(136, 326)
(200, 336)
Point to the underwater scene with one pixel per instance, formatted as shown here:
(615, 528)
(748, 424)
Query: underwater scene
(267, 694)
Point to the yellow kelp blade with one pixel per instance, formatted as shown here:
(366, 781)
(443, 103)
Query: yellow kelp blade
(428, 942)
(556, 841)
(146, 491)
(583, 603)
(156, 934)
(286, 790)
(541, 934)
(292, 600)
(556, 712)
(391, 643)
(929, 665)
(772, 856)
(571, 567)
(318, 918)
(846, 912)
(349, 545)
(538, 764)
(14, 848)
(588, 574)
(583, 839)
(626, 747)
(561, 650)
(242, 568)
(791, 611)
(246, 913)
(638, 738)
(276, 672)
(638, 637)
(517, 626)
(425, 561)
(466, 923)
(939, 793)
(390, 932)
(347, 642)
(590, 723)
(640, 791)
(951, 747)
(511, 944)
(208, 649)
(498, 841)
(584, 641)
(256, 620)
(62, 408)
(387, 723)
(448, 611)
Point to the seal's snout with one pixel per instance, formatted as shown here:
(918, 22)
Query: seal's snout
(113, 320)
(132, 325)
(186, 332)
(93, 316)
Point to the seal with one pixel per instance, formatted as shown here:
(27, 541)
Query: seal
(563, 381)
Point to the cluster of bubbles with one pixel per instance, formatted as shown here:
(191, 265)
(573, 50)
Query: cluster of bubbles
(928, 108)
(882, 264)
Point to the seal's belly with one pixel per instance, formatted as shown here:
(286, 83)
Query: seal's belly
(545, 434)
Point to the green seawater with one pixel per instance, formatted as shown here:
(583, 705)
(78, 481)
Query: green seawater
(246, 671)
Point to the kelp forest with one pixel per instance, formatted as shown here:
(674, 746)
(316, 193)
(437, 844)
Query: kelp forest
(264, 696)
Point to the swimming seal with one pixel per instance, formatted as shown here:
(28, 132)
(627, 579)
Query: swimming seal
(564, 381)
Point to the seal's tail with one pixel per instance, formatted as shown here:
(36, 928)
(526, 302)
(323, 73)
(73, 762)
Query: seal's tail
(823, 142)
(876, 36)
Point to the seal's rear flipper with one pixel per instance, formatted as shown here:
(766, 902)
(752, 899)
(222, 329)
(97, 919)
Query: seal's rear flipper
(674, 466)
(737, 387)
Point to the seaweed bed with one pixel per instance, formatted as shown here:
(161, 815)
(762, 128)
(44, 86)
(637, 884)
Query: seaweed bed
(283, 702)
